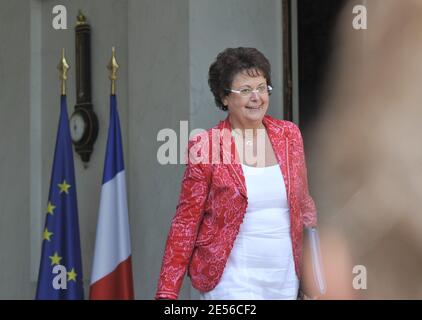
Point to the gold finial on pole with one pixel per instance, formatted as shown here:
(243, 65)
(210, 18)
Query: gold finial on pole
(63, 67)
(113, 66)
(80, 19)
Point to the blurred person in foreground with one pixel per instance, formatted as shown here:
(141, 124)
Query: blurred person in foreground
(369, 173)
(239, 222)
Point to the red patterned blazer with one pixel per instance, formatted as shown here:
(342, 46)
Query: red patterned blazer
(213, 202)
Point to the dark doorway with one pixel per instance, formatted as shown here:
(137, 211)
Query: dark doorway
(316, 23)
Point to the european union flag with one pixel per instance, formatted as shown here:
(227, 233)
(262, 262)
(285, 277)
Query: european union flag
(60, 274)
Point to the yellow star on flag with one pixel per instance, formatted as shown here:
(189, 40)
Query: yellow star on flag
(47, 235)
(50, 208)
(55, 259)
(64, 187)
(71, 276)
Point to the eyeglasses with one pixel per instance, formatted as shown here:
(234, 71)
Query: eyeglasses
(247, 92)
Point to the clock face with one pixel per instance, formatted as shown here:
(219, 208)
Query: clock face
(77, 127)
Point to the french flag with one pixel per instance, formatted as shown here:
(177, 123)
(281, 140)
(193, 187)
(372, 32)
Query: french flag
(111, 277)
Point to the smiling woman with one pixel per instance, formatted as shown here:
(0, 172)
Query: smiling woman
(238, 225)
(247, 106)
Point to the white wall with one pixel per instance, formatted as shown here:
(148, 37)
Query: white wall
(219, 24)
(14, 149)
(158, 98)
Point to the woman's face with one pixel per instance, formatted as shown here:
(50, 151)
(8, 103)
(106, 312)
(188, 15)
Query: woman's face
(247, 111)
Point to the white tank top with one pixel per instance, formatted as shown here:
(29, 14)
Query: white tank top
(261, 264)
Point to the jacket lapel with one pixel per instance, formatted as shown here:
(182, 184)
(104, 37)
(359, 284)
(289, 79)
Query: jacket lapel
(230, 157)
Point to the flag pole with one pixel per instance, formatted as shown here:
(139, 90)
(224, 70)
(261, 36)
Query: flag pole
(111, 276)
(112, 67)
(63, 68)
(61, 248)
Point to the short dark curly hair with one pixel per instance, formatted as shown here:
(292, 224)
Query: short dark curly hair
(229, 63)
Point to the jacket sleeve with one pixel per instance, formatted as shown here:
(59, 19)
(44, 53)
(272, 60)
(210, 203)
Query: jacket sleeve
(183, 231)
(307, 204)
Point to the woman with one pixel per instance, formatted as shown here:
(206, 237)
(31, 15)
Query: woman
(239, 222)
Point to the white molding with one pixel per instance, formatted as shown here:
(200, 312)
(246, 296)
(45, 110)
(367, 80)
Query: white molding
(295, 63)
(35, 133)
(280, 71)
